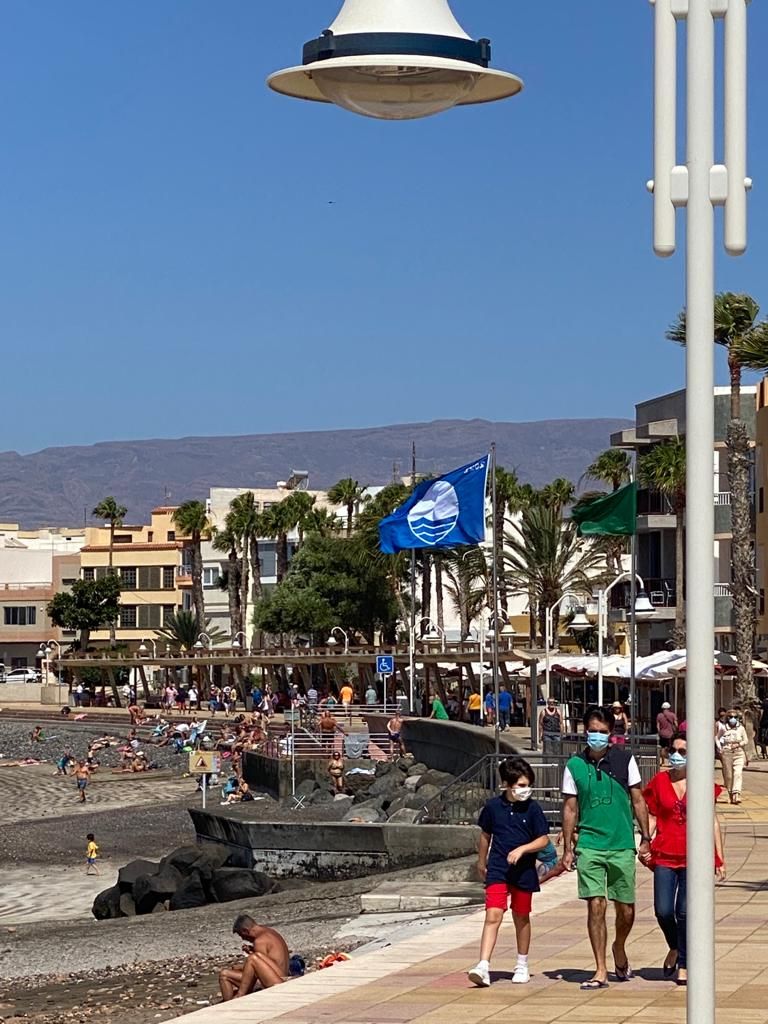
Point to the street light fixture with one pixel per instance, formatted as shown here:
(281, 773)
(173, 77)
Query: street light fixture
(235, 642)
(332, 641)
(202, 642)
(144, 650)
(434, 634)
(580, 622)
(640, 611)
(396, 60)
(45, 652)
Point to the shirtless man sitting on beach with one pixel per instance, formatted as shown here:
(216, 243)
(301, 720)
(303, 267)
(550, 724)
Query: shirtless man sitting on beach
(265, 965)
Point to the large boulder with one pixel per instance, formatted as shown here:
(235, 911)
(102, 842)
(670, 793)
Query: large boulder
(306, 788)
(418, 769)
(127, 875)
(436, 778)
(191, 893)
(320, 796)
(407, 816)
(332, 810)
(405, 763)
(411, 782)
(358, 782)
(364, 814)
(203, 859)
(127, 905)
(149, 890)
(106, 905)
(423, 796)
(383, 768)
(388, 785)
(239, 884)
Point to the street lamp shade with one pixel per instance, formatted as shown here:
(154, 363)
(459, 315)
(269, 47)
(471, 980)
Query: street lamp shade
(579, 622)
(643, 607)
(235, 643)
(507, 629)
(331, 641)
(396, 60)
(143, 649)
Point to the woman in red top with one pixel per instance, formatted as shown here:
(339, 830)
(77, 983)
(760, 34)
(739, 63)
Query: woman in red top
(665, 796)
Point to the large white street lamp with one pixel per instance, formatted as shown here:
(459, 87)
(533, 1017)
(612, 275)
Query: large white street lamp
(698, 186)
(45, 652)
(396, 60)
(144, 650)
(579, 623)
(435, 634)
(332, 641)
(235, 641)
(642, 609)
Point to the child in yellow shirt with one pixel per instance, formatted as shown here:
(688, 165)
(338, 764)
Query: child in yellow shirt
(91, 853)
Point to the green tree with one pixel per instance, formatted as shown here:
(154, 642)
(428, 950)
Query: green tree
(544, 557)
(244, 522)
(191, 518)
(737, 329)
(299, 506)
(557, 495)
(322, 521)
(226, 541)
(182, 630)
(110, 512)
(326, 586)
(350, 494)
(397, 568)
(87, 606)
(663, 469)
(507, 501)
(466, 580)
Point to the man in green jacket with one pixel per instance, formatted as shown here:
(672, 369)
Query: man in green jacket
(601, 790)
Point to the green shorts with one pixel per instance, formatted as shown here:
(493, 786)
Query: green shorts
(607, 872)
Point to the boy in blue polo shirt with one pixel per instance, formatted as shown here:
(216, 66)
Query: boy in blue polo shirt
(514, 830)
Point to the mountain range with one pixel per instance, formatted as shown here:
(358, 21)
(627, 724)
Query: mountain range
(60, 486)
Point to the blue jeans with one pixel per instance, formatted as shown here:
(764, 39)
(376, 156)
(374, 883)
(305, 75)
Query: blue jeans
(669, 902)
(504, 719)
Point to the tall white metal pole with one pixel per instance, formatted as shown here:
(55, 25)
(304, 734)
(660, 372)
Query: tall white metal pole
(547, 643)
(699, 437)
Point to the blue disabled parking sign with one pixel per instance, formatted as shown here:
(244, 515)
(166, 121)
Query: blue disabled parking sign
(385, 664)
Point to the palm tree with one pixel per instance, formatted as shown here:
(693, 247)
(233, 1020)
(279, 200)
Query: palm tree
(277, 522)
(737, 329)
(610, 467)
(544, 557)
(557, 495)
(437, 560)
(191, 517)
(244, 522)
(182, 631)
(366, 541)
(466, 580)
(225, 540)
(663, 469)
(299, 506)
(350, 494)
(110, 512)
(507, 500)
(321, 521)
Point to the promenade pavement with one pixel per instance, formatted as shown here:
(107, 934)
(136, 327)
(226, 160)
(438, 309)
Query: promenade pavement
(422, 979)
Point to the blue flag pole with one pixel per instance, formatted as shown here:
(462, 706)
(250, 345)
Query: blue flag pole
(495, 588)
(412, 631)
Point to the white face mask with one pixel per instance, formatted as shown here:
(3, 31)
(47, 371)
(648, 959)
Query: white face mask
(520, 793)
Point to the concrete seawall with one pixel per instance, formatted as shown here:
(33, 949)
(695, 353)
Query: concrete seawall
(331, 851)
(447, 746)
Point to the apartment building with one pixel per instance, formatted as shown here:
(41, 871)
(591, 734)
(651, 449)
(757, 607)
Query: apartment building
(656, 421)
(154, 567)
(34, 565)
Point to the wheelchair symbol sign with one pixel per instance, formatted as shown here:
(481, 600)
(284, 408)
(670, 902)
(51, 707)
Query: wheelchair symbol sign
(385, 664)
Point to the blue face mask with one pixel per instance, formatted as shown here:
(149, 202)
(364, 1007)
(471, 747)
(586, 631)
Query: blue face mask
(597, 740)
(677, 760)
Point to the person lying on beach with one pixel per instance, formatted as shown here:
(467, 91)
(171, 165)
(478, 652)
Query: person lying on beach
(266, 963)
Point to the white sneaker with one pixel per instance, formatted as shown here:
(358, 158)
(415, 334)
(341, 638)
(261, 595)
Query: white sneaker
(480, 976)
(522, 975)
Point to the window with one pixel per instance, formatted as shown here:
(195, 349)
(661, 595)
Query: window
(150, 536)
(211, 576)
(169, 577)
(127, 616)
(171, 535)
(101, 571)
(761, 500)
(128, 579)
(149, 616)
(67, 581)
(268, 555)
(169, 610)
(123, 538)
(150, 577)
(88, 573)
(20, 615)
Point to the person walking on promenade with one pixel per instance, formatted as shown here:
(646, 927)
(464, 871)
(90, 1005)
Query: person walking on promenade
(513, 831)
(474, 703)
(506, 704)
(550, 727)
(621, 723)
(601, 790)
(490, 708)
(733, 751)
(666, 798)
(666, 726)
(763, 730)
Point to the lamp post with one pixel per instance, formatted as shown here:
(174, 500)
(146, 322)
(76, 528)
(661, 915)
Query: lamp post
(144, 650)
(45, 651)
(235, 642)
(332, 641)
(434, 633)
(642, 608)
(577, 625)
(698, 186)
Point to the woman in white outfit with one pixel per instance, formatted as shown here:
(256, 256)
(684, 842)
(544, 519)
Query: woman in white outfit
(733, 748)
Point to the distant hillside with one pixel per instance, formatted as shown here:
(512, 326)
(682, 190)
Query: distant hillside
(56, 485)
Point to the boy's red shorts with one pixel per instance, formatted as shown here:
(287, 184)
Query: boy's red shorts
(498, 895)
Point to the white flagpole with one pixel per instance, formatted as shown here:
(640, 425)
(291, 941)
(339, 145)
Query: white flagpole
(495, 589)
(412, 631)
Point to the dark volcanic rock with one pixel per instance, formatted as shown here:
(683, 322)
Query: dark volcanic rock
(239, 884)
(149, 890)
(107, 904)
(191, 893)
(127, 875)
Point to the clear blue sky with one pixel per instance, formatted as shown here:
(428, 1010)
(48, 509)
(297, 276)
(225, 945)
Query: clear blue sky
(171, 263)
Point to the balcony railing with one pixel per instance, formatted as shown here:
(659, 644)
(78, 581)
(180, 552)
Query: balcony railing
(722, 497)
(722, 590)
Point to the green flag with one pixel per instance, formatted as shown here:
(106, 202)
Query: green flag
(614, 514)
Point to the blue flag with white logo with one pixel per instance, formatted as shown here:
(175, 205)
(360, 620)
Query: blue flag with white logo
(442, 513)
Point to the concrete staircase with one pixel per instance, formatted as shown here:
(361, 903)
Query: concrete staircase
(398, 897)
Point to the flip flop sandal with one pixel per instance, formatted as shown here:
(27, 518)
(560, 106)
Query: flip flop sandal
(593, 986)
(623, 973)
(669, 971)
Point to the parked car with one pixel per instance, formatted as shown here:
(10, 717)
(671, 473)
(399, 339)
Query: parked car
(22, 675)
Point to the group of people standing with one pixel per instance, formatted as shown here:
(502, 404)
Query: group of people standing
(603, 796)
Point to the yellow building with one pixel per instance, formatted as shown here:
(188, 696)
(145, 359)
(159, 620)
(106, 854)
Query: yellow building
(154, 570)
